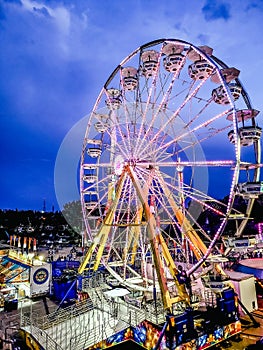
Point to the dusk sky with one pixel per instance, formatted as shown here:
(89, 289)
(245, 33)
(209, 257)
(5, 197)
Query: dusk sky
(56, 56)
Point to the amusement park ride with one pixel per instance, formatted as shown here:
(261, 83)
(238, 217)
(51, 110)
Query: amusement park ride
(176, 120)
(171, 129)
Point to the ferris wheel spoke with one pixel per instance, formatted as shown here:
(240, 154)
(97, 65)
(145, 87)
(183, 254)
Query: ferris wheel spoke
(166, 93)
(204, 139)
(164, 124)
(176, 113)
(119, 135)
(195, 117)
(185, 134)
(150, 94)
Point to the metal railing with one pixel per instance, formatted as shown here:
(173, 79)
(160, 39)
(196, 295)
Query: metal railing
(98, 333)
(40, 335)
(62, 315)
(89, 321)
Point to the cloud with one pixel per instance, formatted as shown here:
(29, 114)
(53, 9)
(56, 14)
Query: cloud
(59, 13)
(215, 9)
(255, 5)
(43, 11)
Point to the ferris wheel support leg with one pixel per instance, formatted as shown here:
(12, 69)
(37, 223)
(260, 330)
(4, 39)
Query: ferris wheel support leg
(135, 245)
(104, 235)
(196, 243)
(173, 269)
(129, 242)
(159, 269)
(101, 238)
(87, 258)
(136, 235)
(151, 229)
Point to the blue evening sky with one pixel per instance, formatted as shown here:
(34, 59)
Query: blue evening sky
(56, 55)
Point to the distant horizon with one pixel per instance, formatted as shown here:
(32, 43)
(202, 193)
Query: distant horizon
(17, 209)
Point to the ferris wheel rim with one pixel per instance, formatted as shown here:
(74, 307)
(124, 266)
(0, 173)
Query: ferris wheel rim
(235, 164)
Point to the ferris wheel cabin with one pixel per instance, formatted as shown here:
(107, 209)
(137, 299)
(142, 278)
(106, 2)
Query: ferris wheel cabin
(90, 178)
(95, 150)
(149, 63)
(90, 175)
(228, 74)
(200, 70)
(114, 99)
(91, 199)
(129, 78)
(174, 59)
(220, 94)
(102, 124)
(243, 114)
(250, 189)
(248, 135)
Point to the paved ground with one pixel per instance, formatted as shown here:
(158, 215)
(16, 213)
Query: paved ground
(10, 321)
(249, 335)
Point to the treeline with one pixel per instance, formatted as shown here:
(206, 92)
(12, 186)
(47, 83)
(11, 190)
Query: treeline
(11, 219)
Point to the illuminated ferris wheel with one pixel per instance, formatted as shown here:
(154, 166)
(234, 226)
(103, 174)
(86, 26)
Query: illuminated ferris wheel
(171, 133)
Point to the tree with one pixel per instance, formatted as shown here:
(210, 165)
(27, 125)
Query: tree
(73, 215)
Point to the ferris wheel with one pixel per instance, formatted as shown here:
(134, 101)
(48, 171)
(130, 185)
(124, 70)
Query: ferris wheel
(171, 134)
